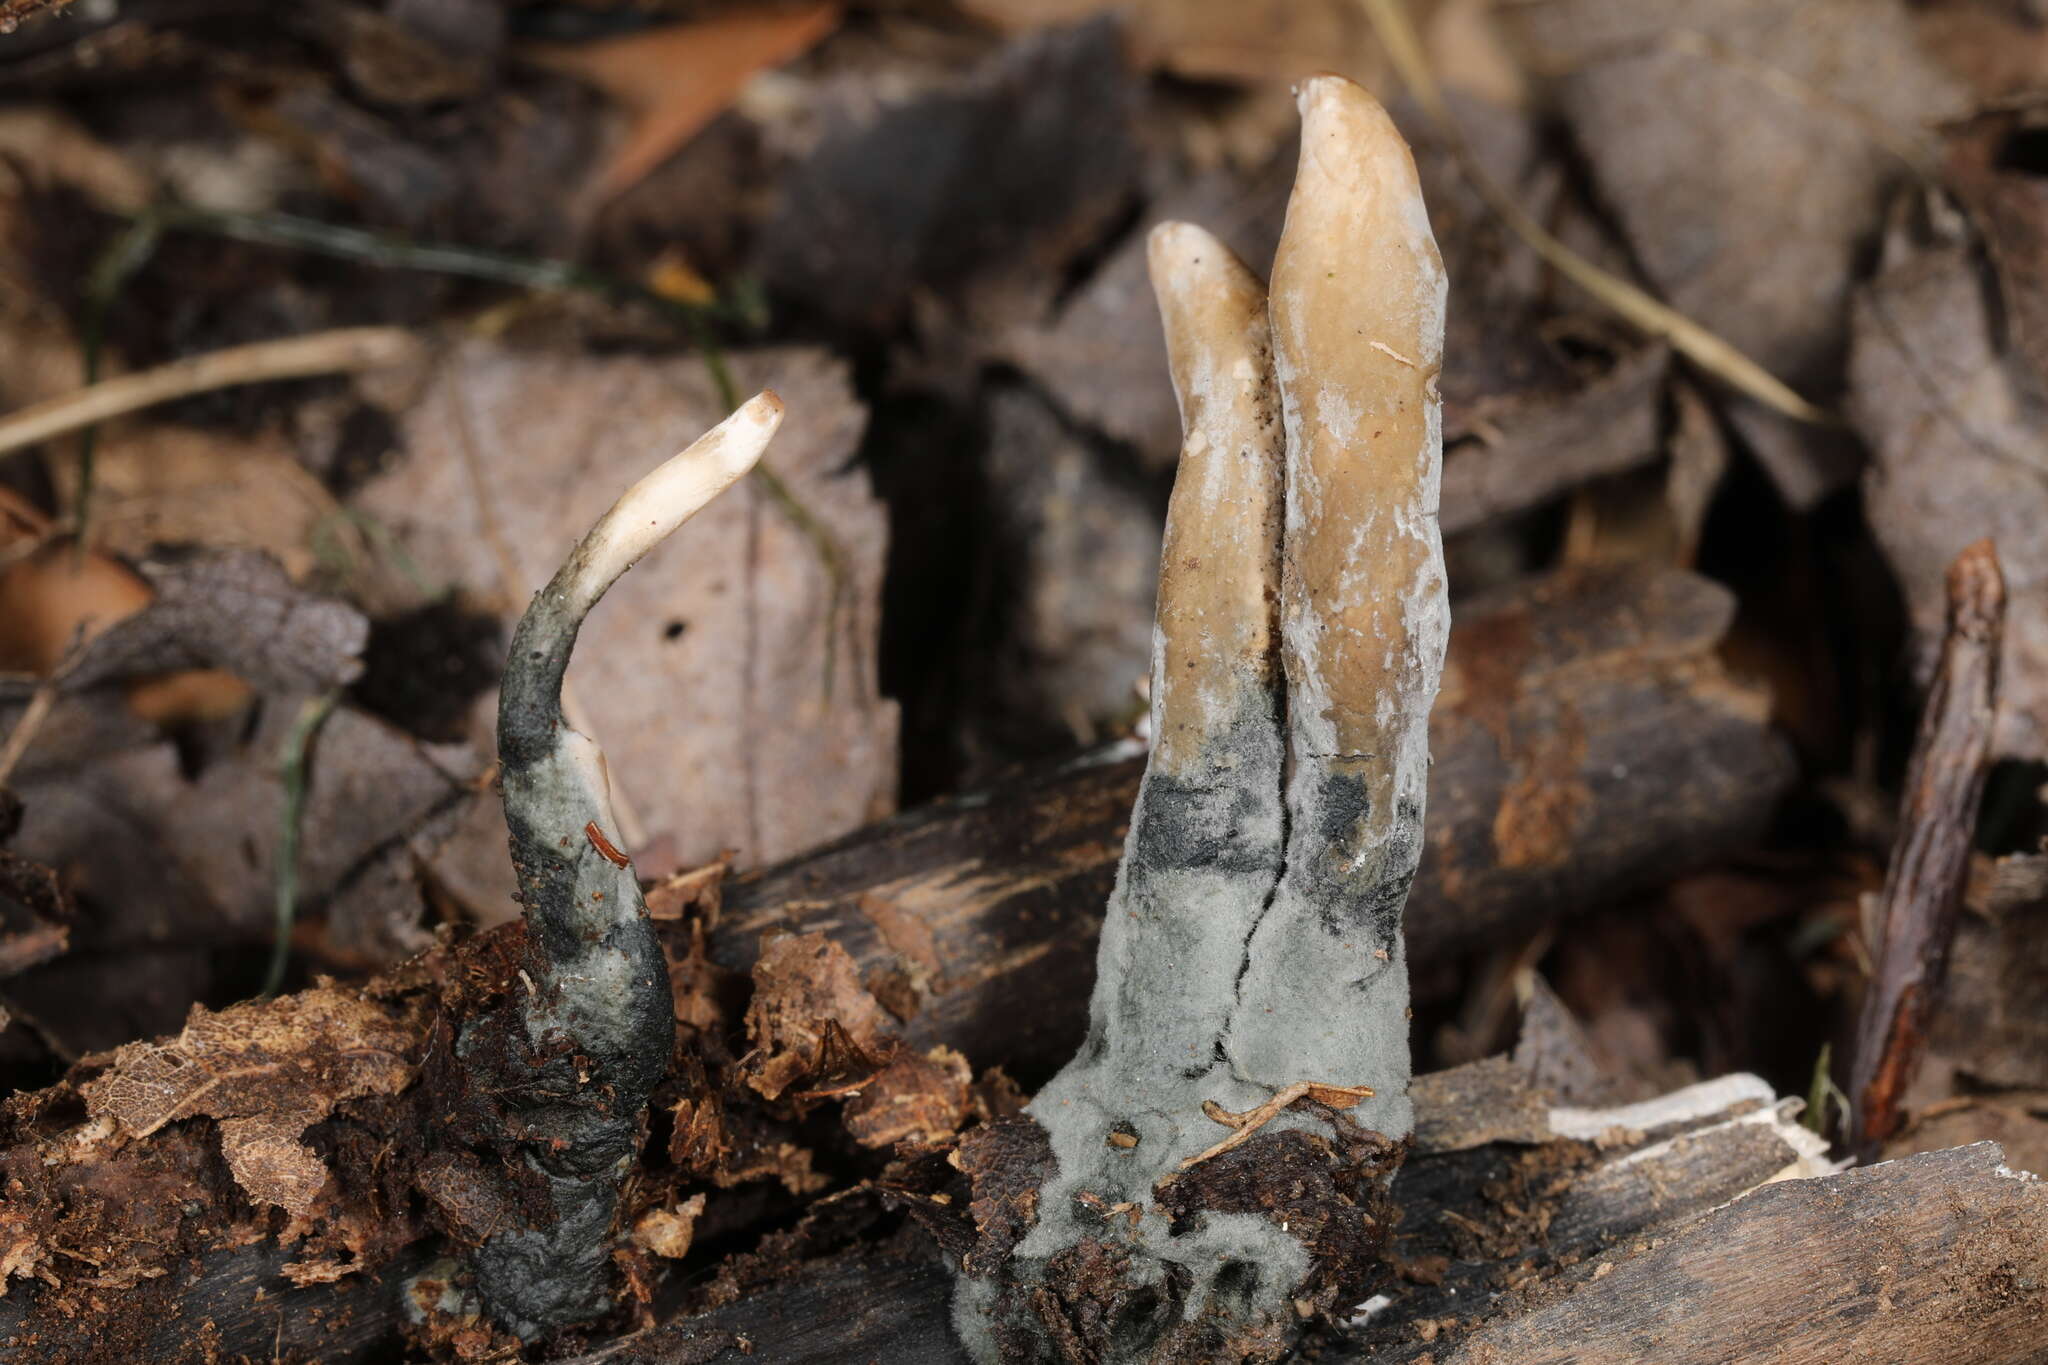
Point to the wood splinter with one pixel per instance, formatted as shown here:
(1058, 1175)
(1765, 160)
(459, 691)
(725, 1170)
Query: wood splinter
(1251, 1120)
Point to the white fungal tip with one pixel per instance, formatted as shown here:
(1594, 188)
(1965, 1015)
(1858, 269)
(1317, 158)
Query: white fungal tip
(648, 511)
(1173, 248)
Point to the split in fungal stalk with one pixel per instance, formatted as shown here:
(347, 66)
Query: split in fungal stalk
(1219, 1149)
(593, 1033)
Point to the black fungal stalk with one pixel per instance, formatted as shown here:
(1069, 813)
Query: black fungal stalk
(573, 1068)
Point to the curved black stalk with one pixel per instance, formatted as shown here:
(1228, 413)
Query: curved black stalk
(598, 1018)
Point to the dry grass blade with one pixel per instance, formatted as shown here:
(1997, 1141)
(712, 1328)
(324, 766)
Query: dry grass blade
(1705, 349)
(347, 348)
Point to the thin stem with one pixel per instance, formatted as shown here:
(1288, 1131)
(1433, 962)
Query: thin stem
(292, 769)
(346, 348)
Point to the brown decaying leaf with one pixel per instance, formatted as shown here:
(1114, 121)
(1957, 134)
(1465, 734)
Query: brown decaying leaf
(678, 78)
(267, 1072)
(167, 485)
(1991, 1026)
(236, 611)
(1242, 40)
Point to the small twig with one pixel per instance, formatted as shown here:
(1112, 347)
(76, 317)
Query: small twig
(1710, 352)
(24, 731)
(1923, 888)
(347, 348)
(292, 768)
(1243, 1125)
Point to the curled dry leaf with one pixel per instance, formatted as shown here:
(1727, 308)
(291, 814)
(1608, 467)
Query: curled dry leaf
(236, 611)
(266, 1071)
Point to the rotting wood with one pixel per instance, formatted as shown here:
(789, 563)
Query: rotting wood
(1678, 1230)
(1915, 922)
(1586, 743)
(1560, 1186)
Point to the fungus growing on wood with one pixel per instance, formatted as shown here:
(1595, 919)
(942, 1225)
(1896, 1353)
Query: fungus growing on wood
(1249, 1027)
(593, 1033)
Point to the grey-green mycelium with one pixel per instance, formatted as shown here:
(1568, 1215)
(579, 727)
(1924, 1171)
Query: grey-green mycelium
(1214, 1162)
(573, 1067)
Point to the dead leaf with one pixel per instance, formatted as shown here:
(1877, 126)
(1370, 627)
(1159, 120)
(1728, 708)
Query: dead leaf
(1246, 40)
(267, 1071)
(235, 611)
(177, 859)
(48, 143)
(704, 672)
(1746, 151)
(1958, 434)
(177, 486)
(1103, 357)
(678, 78)
(975, 229)
(2010, 206)
(1082, 550)
(1990, 1024)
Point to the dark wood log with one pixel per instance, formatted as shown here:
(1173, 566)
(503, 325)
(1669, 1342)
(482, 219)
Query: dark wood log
(1681, 1242)
(1587, 744)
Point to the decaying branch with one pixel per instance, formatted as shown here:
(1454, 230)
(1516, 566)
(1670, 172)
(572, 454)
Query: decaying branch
(1915, 922)
(1252, 949)
(593, 1035)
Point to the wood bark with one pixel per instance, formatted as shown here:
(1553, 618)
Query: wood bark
(1915, 925)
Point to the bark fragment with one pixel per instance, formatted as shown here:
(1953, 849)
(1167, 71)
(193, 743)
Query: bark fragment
(1923, 889)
